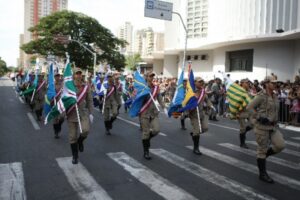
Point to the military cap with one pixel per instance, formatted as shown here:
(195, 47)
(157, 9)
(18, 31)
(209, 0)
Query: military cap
(245, 80)
(199, 79)
(77, 69)
(150, 73)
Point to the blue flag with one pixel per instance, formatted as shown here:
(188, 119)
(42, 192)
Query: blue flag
(50, 92)
(178, 97)
(142, 92)
(190, 100)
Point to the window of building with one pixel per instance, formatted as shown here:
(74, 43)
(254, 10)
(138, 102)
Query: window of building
(240, 60)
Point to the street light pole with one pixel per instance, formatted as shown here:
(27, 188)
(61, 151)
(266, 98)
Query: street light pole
(94, 54)
(185, 43)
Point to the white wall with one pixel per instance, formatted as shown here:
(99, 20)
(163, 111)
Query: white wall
(170, 66)
(297, 57)
(158, 66)
(278, 55)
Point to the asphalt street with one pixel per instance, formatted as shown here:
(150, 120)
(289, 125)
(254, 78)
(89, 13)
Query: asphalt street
(35, 165)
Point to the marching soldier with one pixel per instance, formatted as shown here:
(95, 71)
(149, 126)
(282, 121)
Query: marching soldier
(57, 122)
(243, 116)
(85, 107)
(39, 97)
(111, 106)
(203, 104)
(149, 115)
(265, 126)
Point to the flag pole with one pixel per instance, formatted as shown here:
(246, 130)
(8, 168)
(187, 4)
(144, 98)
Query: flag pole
(103, 105)
(78, 117)
(32, 96)
(199, 120)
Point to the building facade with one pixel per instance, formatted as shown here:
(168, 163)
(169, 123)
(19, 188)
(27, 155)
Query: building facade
(240, 37)
(34, 10)
(125, 32)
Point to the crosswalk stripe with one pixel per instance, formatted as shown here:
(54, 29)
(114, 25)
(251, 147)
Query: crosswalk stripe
(250, 152)
(239, 189)
(137, 125)
(81, 180)
(295, 184)
(295, 144)
(156, 183)
(287, 151)
(296, 138)
(21, 100)
(12, 182)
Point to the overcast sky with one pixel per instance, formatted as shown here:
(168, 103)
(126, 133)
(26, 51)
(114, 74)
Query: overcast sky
(109, 13)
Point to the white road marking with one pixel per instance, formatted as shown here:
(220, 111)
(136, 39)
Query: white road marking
(12, 182)
(236, 188)
(81, 180)
(224, 126)
(21, 100)
(137, 125)
(296, 138)
(292, 183)
(34, 123)
(295, 144)
(250, 152)
(156, 183)
(287, 151)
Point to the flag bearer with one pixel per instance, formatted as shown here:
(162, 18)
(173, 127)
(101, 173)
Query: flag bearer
(203, 104)
(149, 115)
(39, 97)
(57, 122)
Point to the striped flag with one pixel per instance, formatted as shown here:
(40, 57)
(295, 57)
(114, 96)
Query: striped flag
(238, 99)
(68, 98)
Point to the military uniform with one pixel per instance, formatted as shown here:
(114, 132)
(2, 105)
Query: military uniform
(149, 118)
(85, 108)
(203, 105)
(119, 93)
(242, 117)
(39, 98)
(265, 128)
(57, 122)
(110, 107)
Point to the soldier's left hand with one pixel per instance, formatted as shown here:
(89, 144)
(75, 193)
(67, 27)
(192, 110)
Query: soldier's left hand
(91, 118)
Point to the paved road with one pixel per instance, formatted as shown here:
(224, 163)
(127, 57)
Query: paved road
(34, 165)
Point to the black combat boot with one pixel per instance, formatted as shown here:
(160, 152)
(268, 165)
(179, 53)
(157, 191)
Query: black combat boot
(263, 176)
(74, 148)
(182, 124)
(112, 119)
(119, 109)
(248, 128)
(80, 143)
(56, 130)
(242, 141)
(270, 152)
(107, 127)
(146, 145)
(196, 145)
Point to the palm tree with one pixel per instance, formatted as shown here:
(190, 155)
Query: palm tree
(132, 61)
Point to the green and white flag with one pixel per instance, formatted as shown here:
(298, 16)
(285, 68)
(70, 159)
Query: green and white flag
(68, 97)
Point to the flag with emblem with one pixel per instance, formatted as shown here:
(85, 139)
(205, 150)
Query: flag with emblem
(178, 98)
(68, 97)
(50, 92)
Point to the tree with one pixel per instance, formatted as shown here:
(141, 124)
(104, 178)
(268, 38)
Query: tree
(78, 27)
(3, 67)
(132, 61)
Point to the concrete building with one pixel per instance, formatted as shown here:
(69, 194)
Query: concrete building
(240, 37)
(125, 32)
(20, 62)
(33, 11)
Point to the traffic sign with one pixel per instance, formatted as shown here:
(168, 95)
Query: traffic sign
(158, 9)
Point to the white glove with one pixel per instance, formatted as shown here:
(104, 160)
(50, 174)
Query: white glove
(166, 111)
(212, 107)
(91, 118)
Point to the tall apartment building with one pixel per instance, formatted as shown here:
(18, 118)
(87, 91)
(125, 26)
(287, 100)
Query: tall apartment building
(239, 37)
(125, 32)
(34, 10)
(144, 42)
(21, 52)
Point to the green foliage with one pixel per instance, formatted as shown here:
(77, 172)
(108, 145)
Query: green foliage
(3, 67)
(132, 61)
(79, 27)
